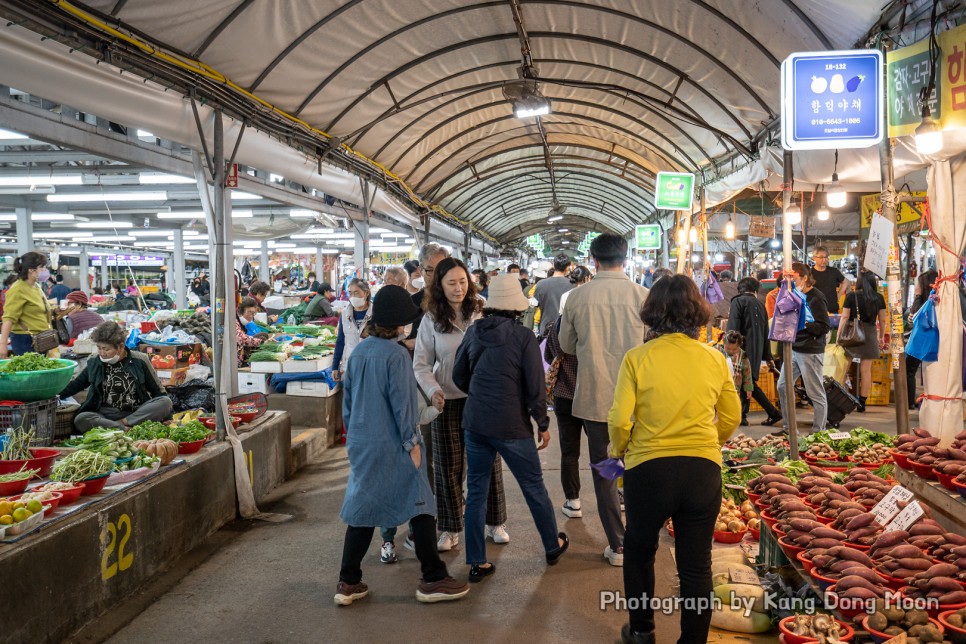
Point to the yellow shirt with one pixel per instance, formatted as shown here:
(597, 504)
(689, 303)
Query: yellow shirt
(25, 305)
(674, 397)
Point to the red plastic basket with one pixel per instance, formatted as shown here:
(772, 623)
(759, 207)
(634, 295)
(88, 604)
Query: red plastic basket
(256, 400)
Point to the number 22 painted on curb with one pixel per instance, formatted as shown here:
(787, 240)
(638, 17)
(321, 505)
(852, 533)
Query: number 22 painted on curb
(108, 540)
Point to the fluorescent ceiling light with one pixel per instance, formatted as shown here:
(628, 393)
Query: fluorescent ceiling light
(106, 224)
(523, 112)
(242, 214)
(49, 234)
(113, 238)
(339, 236)
(273, 244)
(51, 216)
(194, 214)
(144, 134)
(237, 194)
(146, 179)
(379, 230)
(562, 230)
(7, 135)
(43, 180)
(302, 214)
(165, 244)
(554, 218)
(306, 250)
(154, 232)
(110, 196)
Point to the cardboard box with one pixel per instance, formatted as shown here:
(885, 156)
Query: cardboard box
(266, 367)
(184, 354)
(252, 383)
(172, 377)
(313, 389)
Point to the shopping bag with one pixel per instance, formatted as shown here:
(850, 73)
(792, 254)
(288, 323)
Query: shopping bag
(836, 364)
(609, 468)
(924, 339)
(712, 290)
(788, 308)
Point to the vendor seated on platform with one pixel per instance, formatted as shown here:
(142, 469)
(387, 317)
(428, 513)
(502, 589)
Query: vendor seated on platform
(122, 388)
(247, 344)
(259, 291)
(320, 308)
(77, 316)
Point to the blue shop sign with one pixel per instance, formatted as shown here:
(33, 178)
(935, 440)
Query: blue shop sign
(832, 99)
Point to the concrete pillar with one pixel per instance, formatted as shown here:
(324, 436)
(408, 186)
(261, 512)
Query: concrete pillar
(85, 269)
(264, 274)
(105, 276)
(361, 254)
(179, 281)
(25, 231)
(319, 264)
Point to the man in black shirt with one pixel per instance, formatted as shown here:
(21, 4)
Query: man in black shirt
(828, 280)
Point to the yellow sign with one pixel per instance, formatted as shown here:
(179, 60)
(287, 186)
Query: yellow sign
(109, 541)
(953, 77)
(905, 214)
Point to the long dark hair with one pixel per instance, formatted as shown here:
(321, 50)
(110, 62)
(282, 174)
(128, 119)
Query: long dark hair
(675, 305)
(867, 295)
(435, 301)
(27, 262)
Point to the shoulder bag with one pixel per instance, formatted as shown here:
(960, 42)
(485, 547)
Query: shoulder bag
(853, 335)
(45, 340)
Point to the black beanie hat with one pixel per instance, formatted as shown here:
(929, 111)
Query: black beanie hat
(393, 306)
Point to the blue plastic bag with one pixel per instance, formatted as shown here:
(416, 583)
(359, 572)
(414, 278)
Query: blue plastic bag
(133, 339)
(609, 468)
(924, 339)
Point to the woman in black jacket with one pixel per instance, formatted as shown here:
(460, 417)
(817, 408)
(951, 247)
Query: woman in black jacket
(498, 364)
(749, 317)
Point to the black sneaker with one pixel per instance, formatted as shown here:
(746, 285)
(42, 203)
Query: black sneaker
(554, 557)
(771, 420)
(636, 637)
(444, 590)
(478, 572)
(744, 421)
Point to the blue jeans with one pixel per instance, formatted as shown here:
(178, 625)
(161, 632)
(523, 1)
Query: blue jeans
(520, 455)
(21, 343)
(809, 367)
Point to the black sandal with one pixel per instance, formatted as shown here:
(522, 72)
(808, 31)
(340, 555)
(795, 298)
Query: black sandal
(477, 572)
(554, 557)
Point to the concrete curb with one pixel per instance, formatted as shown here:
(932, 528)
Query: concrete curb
(307, 446)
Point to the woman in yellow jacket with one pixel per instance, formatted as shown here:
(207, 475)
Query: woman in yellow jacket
(674, 406)
(25, 310)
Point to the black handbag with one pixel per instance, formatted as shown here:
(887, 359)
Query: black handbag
(853, 335)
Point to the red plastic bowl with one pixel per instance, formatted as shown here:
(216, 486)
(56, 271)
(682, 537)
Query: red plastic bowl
(946, 480)
(960, 487)
(755, 534)
(822, 581)
(768, 519)
(209, 422)
(93, 485)
(792, 638)
(894, 583)
(805, 561)
(955, 633)
(191, 447)
(849, 608)
(243, 417)
(729, 537)
(857, 546)
(50, 504)
(901, 458)
(934, 612)
(791, 550)
(753, 497)
(880, 637)
(870, 466)
(43, 460)
(825, 520)
(71, 494)
(13, 487)
(923, 470)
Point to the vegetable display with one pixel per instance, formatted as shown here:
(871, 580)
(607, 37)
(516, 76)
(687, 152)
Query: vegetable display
(141, 459)
(858, 437)
(17, 476)
(81, 465)
(17, 447)
(114, 443)
(147, 430)
(268, 356)
(191, 431)
(29, 362)
(162, 448)
(895, 621)
(820, 627)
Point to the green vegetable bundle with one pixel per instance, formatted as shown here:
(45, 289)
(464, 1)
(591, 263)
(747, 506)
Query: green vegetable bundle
(141, 459)
(191, 431)
(81, 465)
(268, 356)
(271, 346)
(109, 442)
(147, 430)
(17, 447)
(18, 476)
(314, 351)
(847, 446)
(29, 362)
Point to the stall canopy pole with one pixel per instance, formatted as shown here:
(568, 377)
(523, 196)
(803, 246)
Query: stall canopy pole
(264, 272)
(787, 370)
(25, 231)
(219, 277)
(894, 288)
(179, 281)
(684, 248)
(85, 269)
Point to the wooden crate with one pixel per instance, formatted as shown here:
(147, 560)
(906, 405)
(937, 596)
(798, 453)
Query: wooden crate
(767, 382)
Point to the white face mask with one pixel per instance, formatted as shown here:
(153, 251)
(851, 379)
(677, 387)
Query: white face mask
(244, 321)
(357, 302)
(113, 360)
(407, 330)
(419, 282)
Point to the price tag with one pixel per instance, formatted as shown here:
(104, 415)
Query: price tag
(901, 638)
(888, 507)
(739, 576)
(840, 436)
(907, 517)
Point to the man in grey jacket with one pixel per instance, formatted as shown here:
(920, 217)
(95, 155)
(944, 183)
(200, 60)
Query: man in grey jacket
(601, 323)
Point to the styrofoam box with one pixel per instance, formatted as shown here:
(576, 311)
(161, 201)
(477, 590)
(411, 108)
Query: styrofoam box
(314, 389)
(302, 366)
(252, 383)
(266, 367)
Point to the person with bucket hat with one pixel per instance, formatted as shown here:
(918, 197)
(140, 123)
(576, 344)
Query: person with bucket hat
(499, 362)
(77, 317)
(387, 484)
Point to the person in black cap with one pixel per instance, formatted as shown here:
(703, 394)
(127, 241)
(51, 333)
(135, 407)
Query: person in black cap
(387, 484)
(320, 308)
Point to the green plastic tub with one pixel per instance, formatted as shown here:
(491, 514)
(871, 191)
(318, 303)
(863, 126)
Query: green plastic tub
(29, 386)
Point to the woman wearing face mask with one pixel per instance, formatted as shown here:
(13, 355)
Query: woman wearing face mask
(25, 309)
(247, 344)
(452, 305)
(78, 317)
(122, 387)
(353, 320)
(416, 281)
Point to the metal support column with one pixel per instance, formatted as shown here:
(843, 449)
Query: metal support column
(319, 265)
(179, 281)
(362, 230)
(105, 274)
(219, 279)
(684, 248)
(264, 273)
(790, 420)
(84, 272)
(25, 231)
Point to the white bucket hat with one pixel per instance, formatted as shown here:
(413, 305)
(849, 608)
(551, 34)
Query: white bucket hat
(505, 294)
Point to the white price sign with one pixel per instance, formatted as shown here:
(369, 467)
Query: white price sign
(907, 517)
(888, 507)
(740, 576)
(840, 436)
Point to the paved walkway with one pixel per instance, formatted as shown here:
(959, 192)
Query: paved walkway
(274, 582)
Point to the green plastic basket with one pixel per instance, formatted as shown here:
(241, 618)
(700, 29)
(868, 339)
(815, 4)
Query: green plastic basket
(29, 386)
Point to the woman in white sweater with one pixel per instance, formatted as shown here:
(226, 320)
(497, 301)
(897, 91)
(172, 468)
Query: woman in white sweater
(451, 306)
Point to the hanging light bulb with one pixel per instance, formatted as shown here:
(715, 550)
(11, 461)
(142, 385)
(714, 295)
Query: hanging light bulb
(793, 214)
(929, 134)
(680, 236)
(835, 196)
(823, 213)
(693, 235)
(730, 229)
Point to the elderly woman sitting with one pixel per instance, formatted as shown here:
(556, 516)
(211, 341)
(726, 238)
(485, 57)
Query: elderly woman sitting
(122, 387)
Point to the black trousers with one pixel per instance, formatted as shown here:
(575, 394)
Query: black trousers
(762, 400)
(358, 538)
(570, 428)
(912, 367)
(688, 491)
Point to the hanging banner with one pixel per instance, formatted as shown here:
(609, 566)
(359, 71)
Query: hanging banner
(905, 213)
(951, 70)
(761, 226)
(832, 99)
(648, 237)
(128, 260)
(877, 249)
(675, 191)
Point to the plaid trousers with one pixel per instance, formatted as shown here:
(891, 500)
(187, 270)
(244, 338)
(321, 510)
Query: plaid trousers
(449, 469)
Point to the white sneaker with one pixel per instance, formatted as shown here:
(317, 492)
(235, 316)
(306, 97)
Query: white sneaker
(571, 509)
(447, 541)
(408, 543)
(614, 558)
(387, 554)
(620, 496)
(498, 533)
